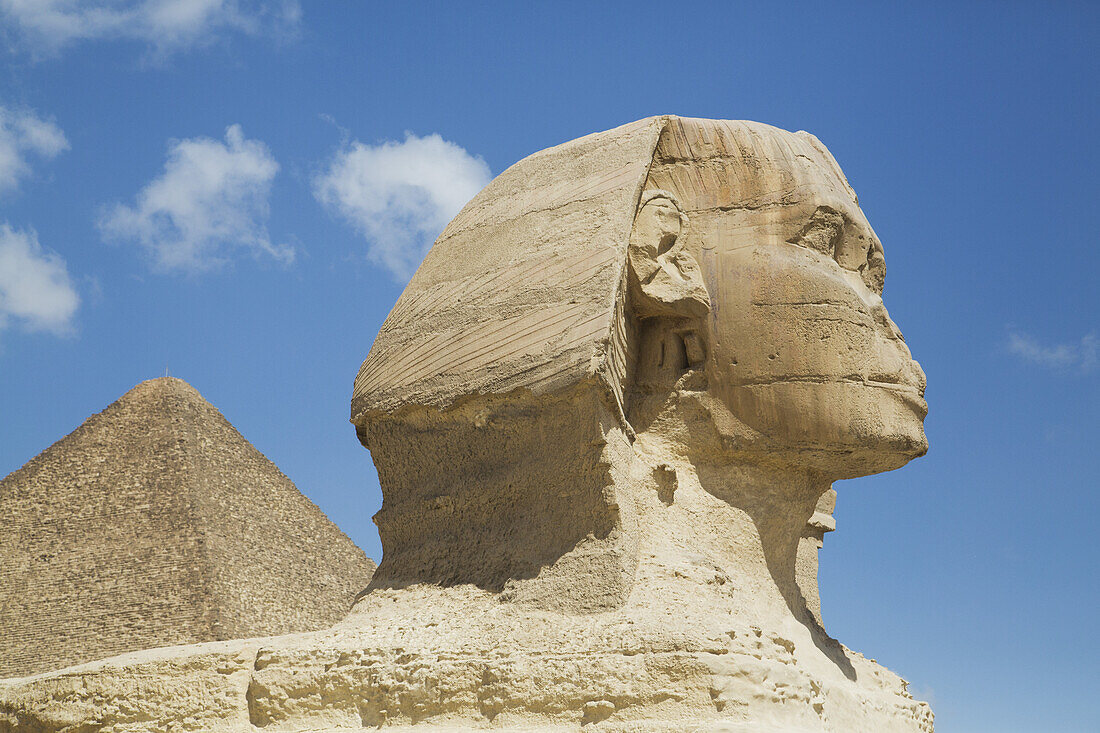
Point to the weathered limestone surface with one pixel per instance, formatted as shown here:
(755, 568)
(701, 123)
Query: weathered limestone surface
(607, 414)
(156, 523)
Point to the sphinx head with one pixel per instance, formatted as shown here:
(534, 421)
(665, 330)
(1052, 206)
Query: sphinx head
(709, 288)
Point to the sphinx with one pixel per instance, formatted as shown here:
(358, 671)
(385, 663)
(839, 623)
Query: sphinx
(607, 414)
(675, 301)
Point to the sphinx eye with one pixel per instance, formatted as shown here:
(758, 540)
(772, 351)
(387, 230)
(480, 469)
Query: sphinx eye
(821, 232)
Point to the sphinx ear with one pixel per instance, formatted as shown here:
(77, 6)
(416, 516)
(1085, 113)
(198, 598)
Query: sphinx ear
(665, 280)
(665, 309)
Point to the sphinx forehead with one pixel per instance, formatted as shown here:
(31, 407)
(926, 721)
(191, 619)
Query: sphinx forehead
(729, 164)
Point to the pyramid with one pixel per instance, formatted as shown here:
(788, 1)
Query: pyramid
(156, 523)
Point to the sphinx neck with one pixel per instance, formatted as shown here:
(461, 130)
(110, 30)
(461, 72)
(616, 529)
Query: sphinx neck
(758, 523)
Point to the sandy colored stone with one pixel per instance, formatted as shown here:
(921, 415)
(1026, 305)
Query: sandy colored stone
(156, 523)
(607, 414)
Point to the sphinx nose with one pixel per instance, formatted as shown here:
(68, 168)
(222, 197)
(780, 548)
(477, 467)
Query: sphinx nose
(908, 370)
(912, 373)
(918, 375)
(882, 318)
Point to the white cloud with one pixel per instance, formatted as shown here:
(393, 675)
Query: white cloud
(400, 195)
(211, 200)
(167, 25)
(1081, 354)
(35, 289)
(22, 134)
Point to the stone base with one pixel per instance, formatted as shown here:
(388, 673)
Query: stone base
(465, 660)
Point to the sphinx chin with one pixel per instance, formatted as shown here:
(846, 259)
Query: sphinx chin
(899, 433)
(891, 443)
(836, 428)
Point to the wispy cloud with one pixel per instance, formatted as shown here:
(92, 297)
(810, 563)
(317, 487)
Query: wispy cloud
(35, 289)
(400, 195)
(24, 134)
(47, 26)
(210, 202)
(924, 693)
(1081, 355)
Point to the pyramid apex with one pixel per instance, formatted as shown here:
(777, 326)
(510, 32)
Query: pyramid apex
(162, 386)
(164, 383)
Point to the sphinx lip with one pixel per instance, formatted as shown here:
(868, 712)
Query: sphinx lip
(900, 387)
(911, 395)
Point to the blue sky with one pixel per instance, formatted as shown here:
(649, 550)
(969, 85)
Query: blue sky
(236, 192)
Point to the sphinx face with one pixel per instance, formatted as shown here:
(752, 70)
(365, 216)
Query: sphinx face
(802, 349)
